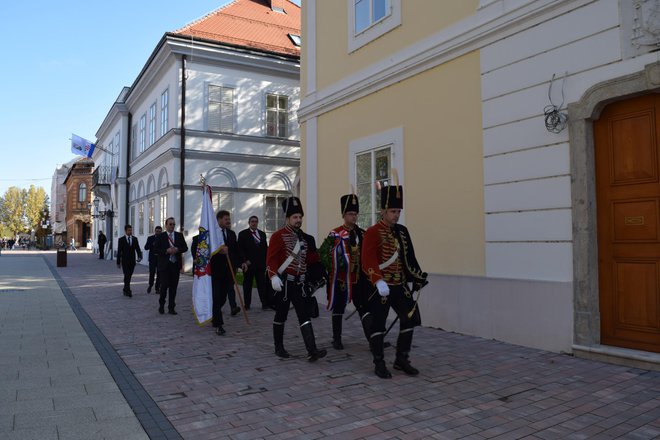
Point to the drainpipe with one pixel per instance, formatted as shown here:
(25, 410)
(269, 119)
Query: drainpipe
(182, 157)
(128, 160)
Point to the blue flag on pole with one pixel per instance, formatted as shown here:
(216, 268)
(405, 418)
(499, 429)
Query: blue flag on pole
(81, 146)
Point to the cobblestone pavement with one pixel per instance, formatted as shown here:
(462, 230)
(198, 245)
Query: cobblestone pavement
(234, 387)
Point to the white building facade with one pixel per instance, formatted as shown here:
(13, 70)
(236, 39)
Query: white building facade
(201, 108)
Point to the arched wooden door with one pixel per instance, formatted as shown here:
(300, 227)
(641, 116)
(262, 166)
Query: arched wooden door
(628, 203)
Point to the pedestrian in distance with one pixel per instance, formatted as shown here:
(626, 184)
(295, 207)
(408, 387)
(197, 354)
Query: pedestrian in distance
(169, 248)
(128, 254)
(101, 241)
(253, 248)
(153, 260)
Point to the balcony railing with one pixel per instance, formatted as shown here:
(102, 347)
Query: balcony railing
(102, 175)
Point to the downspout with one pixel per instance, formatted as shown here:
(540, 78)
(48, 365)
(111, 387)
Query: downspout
(182, 157)
(128, 160)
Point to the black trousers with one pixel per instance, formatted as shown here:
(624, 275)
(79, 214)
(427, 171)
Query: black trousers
(339, 304)
(292, 292)
(401, 301)
(128, 273)
(101, 252)
(153, 271)
(258, 274)
(169, 281)
(222, 289)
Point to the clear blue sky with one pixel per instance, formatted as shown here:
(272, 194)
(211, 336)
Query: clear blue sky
(63, 67)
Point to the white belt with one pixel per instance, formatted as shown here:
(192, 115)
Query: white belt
(389, 262)
(290, 258)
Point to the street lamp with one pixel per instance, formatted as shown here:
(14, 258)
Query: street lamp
(99, 214)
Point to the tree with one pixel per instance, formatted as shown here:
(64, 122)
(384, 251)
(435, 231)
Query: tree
(13, 210)
(34, 206)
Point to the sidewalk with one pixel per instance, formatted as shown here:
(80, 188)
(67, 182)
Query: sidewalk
(233, 387)
(53, 383)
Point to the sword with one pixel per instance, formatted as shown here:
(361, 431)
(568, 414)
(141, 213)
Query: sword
(412, 311)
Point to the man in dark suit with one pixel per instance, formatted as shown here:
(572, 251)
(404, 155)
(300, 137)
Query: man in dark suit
(253, 248)
(127, 248)
(153, 261)
(222, 280)
(169, 248)
(102, 240)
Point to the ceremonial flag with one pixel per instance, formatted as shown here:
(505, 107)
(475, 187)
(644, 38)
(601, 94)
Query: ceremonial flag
(209, 243)
(81, 146)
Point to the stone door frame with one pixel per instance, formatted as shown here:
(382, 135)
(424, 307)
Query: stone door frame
(581, 114)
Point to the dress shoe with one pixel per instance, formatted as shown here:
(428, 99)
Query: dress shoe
(172, 312)
(220, 331)
(316, 355)
(235, 311)
(404, 365)
(129, 294)
(281, 352)
(149, 289)
(161, 310)
(337, 345)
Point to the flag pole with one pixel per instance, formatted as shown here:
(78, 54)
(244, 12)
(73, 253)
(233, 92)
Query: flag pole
(238, 294)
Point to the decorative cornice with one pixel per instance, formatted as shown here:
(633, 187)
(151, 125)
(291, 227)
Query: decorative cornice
(487, 25)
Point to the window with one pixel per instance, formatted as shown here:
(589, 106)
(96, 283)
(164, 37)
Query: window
(221, 109)
(152, 215)
(295, 39)
(224, 200)
(273, 214)
(82, 193)
(132, 216)
(115, 151)
(277, 117)
(163, 209)
(369, 19)
(152, 124)
(368, 12)
(134, 145)
(371, 162)
(141, 219)
(164, 103)
(143, 133)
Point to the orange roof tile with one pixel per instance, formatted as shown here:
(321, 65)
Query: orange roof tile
(252, 24)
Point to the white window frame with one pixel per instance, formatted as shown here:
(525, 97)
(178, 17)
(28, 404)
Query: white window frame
(391, 138)
(134, 145)
(164, 109)
(152, 124)
(132, 219)
(375, 30)
(163, 209)
(141, 218)
(142, 137)
(233, 108)
(115, 150)
(152, 215)
(280, 218)
(277, 110)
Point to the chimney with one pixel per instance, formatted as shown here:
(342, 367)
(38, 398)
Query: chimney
(277, 5)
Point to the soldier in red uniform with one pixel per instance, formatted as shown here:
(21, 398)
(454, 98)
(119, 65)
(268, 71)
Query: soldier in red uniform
(340, 253)
(290, 252)
(388, 259)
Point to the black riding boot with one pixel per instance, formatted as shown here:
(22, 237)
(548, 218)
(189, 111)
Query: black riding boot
(313, 353)
(376, 345)
(403, 344)
(366, 321)
(278, 336)
(336, 332)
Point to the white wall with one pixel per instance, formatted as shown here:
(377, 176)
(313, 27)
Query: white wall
(527, 192)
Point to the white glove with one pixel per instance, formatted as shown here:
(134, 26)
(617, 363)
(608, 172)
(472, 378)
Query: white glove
(383, 288)
(276, 282)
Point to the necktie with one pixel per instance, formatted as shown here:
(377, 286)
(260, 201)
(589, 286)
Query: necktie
(129, 241)
(224, 236)
(257, 240)
(173, 256)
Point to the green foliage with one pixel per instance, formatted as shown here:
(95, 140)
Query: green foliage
(12, 216)
(22, 210)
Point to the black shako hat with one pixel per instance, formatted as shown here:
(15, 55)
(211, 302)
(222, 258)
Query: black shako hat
(391, 197)
(292, 205)
(349, 203)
